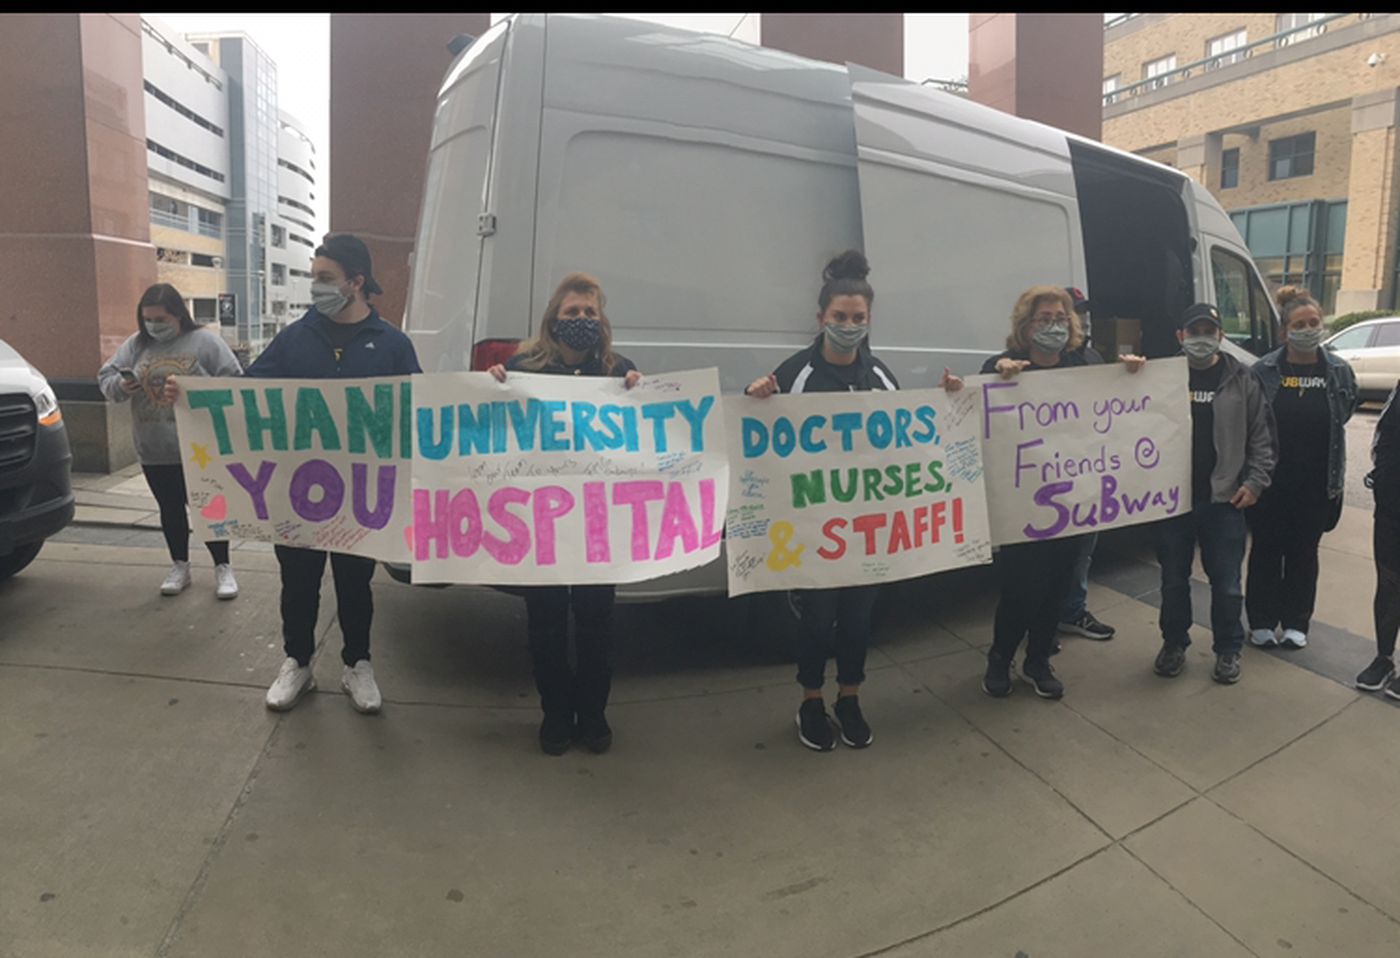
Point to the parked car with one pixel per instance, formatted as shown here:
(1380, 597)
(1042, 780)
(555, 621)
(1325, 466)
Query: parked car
(1373, 349)
(705, 181)
(36, 489)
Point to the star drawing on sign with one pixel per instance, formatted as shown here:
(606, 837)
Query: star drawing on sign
(201, 455)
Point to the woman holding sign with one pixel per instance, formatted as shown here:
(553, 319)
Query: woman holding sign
(1035, 576)
(168, 343)
(1313, 393)
(839, 360)
(575, 339)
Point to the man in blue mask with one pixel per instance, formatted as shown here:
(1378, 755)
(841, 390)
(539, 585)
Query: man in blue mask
(1233, 452)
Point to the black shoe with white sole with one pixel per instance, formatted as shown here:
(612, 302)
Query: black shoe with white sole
(1392, 688)
(1089, 627)
(855, 732)
(997, 681)
(813, 726)
(1376, 674)
(1042, 678)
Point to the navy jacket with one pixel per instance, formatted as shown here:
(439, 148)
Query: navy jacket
(303, 351)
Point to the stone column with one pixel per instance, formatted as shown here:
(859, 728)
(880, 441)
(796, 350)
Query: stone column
(75, 249)
(1199, 158)
(385, 73)
(1041, 66)
(1372, 203)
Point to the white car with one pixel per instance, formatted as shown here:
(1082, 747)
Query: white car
(36, 489)
(1373, 349)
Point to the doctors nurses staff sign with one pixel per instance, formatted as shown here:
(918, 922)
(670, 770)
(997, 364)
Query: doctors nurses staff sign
(547, 479)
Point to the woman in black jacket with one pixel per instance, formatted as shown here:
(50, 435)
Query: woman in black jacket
(839, 360)
(575, 339)
(1384, 482)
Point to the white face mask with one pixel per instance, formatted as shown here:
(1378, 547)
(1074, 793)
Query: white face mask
(161, 331)
(1200, 350)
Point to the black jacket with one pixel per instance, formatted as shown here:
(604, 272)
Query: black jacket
(1384, 479)
(1083, 356)
(592, 366)
(809, 372)
(303, 351)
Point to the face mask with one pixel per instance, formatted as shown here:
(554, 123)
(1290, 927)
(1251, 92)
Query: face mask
(581, 332)
(328, 298)
(845, 337)
(161, 331)
(1305, 340)
(1200, 349)
(1051, 339)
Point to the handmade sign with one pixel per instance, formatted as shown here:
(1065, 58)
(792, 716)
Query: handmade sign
(836, 489)
(323, 464)
(1074, 451)
(554, 480)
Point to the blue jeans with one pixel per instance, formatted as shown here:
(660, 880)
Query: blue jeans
(1077, 599)
(1220, 529)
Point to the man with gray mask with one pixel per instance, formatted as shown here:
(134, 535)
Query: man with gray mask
(1233, 452)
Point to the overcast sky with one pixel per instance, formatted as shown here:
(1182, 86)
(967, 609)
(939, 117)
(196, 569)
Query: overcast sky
(935, 45)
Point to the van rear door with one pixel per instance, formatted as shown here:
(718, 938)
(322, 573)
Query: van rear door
(444, 292)
(961, 213)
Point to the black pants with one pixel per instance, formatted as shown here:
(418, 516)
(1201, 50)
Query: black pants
(581, 690)
(168, 486)
(1282, 585)
(302, 570)
(847, 611)
(1385, 541)
(1034, 579)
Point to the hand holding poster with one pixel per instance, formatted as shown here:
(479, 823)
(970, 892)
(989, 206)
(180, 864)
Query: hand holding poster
(562, 480)
(322, 464)
(833, 489)
(1079, 450)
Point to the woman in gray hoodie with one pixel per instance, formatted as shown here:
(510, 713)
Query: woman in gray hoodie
(168, 343)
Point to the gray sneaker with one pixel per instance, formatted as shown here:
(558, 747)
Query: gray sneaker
(1170, 661)
(1227, 668)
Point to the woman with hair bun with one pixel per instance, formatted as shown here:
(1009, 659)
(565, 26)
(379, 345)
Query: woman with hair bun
(1313, 393)
(838, 360)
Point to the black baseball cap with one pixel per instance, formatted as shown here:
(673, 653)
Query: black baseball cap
(1081, 303)
(1199, 312)
(353, 256)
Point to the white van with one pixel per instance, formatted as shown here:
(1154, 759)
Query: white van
(705, 182)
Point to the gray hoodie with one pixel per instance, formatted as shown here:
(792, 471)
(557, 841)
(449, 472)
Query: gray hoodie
(197, 353)
(1246, 444)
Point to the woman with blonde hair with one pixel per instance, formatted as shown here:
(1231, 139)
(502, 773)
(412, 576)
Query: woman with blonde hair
(1313, 392)
(1035, 576)
(574, 339)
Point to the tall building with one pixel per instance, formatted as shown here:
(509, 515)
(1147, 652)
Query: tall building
(1290, 119)
(232, 183)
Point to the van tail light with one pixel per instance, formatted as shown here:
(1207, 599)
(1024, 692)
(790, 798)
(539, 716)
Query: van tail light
(489, 352)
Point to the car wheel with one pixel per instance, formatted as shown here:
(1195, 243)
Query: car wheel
(17, 560)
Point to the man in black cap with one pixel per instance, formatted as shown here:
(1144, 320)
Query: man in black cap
(1233, 452)
(342, 337)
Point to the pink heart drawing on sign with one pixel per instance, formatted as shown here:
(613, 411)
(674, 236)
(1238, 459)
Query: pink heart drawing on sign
(217, 510)
(408, 537)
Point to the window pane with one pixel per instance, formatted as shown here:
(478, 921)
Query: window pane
(1328, 300)
(1302, 165)
(1388, 335)
(1336, 227)
(1268, 232)
(1299, 227)
(1231, 293)
(1354, 338)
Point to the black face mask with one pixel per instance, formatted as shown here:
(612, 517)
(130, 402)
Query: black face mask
(580, 332)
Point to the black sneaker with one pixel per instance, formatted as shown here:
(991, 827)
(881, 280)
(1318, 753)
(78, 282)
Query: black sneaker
(1170, 661)
(1392, 688)
(1227, 668)
(1375, 676)
(595, 733)
(813, 727)
(1042, 679)
(556, 733)
(1089, 627)
(854, 730)
(1056, 648)
(997, 681)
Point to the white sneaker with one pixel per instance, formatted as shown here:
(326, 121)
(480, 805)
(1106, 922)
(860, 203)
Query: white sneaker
(359, 684)
(1293, 639)
(291, 682)
(226, 586)
(1263, 638)
(178, 580)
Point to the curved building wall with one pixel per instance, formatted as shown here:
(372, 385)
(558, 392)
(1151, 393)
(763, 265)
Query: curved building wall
(297, 203)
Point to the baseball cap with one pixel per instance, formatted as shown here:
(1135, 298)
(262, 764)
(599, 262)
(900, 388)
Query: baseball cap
(1201, 311)
(353, 256)
(1081, 303)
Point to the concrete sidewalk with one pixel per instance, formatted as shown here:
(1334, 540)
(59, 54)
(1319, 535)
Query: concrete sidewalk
(152, 806)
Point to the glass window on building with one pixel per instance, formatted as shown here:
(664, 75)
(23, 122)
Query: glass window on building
(279, 237)
(1299, 244)
(1229, 169)
(1285, 22)
(205, 310)
(1292, 156)
(1159, 71)
(1110, 88)
(1224, 50)
(279, 273)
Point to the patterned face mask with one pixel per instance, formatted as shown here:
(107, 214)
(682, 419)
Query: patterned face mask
(1306, 339)
(845, 337)
(580, 332)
